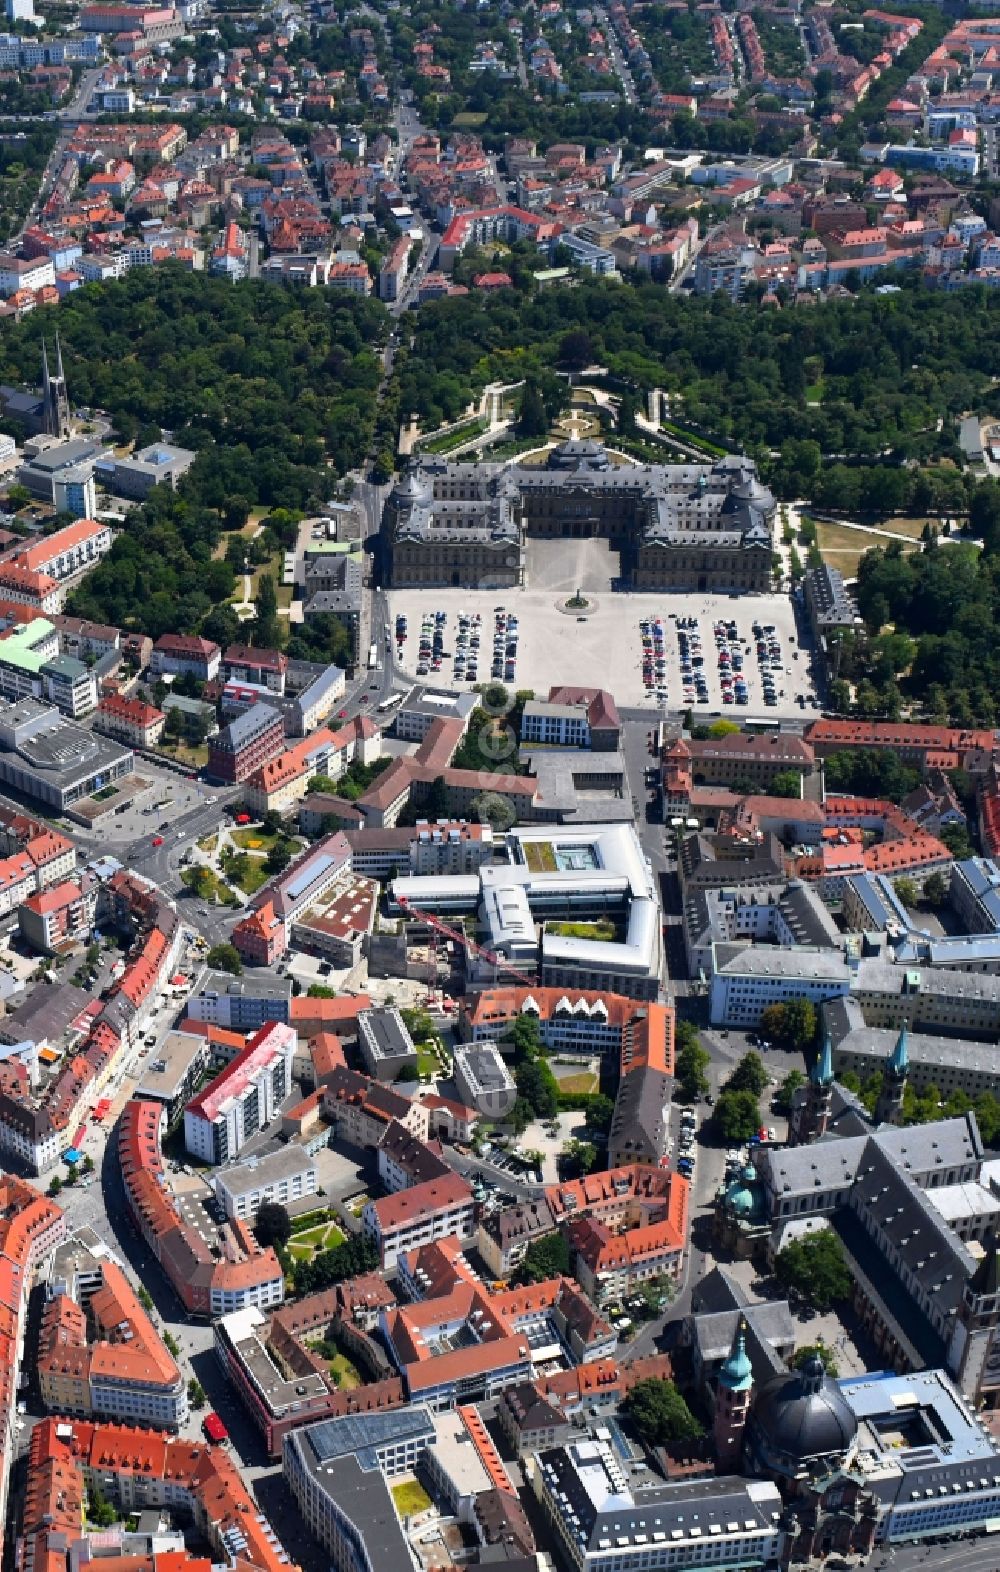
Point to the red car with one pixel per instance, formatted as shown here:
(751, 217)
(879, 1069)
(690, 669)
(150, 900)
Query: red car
(157, 840)
(341, 714)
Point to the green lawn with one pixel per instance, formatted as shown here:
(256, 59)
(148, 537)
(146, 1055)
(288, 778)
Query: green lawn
(258, 840)
(207, 885)
(604, 928)
(454, 439)
(410, 1498)
(247, 872)
(323, 1236)
(583, 1081)
(540, 857)
(344, 1372)
(428, 1062)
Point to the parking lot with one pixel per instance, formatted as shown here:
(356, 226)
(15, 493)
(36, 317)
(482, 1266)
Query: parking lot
(602, 646)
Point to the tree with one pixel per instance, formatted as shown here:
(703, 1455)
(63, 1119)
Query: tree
(907, 891)
(196, 1393)
(786, 1091)
(320, 991)
(17, 497)
(815, 1269)
(493, 809)
(737, 1116)
(171, 1344)
(350, 1259)
(55, 1185)
(538, 1087)
(100, 1511)
(749, 1076)
(576, 349)
(418, 1023)
(265, 623)
(544, 1259)
(532, 419)
(790, 1026)
(803, 1355)
(580, 1156)
(273, 1226)
(936, 889)
(690, 1063)
(599, 1113)
(787, 783)
(527, 1037)
(660, 1414)
(224, 958)
(278, 857)
(145, 1298)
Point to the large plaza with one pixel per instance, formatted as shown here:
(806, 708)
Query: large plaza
(601, 645)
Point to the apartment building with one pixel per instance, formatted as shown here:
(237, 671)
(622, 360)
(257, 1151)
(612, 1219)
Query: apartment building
(241, 1004)
(430, 847)
(213, 1270)
(139, 1471)
(243, 1098)
(130, 720)
(572, 718)
(361, 1110)
(285, 1176)
(249, 740)
(178, 655)
(483, 1079)
(264, 668)
(57, 918)
(68, 552)
(98, 1351)
(31, 1227)
(417, 1216)
(604, 1520)
(505, 1235)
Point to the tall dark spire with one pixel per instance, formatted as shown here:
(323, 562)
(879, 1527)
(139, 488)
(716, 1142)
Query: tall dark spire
(55, 398)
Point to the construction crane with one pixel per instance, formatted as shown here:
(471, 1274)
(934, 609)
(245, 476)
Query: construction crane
(469, 945)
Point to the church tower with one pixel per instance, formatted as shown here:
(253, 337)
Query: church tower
(889, 1108)
(972, 1357)
(812, 1115)
(732, 1401)
(55, 397)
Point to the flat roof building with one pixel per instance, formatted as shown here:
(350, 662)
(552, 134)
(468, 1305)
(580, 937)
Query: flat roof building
(386, 1046)
(483, 1080)
(48, 758)
(285, 1177)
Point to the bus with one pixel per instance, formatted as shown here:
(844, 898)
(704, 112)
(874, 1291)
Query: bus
(373, 657)
(390, 703)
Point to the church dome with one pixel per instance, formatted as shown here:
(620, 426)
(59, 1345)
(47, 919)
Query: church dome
(802, 1415)
(741, 1200)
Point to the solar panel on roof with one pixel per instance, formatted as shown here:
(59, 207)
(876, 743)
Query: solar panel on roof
(307, 875)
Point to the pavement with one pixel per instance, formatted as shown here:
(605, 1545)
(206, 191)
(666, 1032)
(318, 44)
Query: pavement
(601, 646)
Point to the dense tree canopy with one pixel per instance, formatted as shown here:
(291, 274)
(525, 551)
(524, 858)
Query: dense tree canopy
(544, 1258)
(815, 1269)
(267, 384)
(886, 369)
(660, 1414)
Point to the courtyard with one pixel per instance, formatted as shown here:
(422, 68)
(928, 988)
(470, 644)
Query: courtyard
(600, 645)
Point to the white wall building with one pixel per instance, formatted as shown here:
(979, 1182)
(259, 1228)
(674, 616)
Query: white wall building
(243, 1098)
